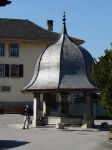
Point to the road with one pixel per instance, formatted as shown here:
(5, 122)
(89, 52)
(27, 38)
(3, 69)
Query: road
(13, 137)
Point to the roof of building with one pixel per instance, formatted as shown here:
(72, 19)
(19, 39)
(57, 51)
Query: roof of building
(27, 30)
(62, 67)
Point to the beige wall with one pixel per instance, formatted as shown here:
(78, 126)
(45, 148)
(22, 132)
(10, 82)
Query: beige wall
(28, 54)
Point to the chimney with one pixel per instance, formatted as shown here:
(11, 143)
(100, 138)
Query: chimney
(50, 25)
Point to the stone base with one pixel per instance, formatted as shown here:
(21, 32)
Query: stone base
(36, 123)
(87, 124)
(59, 126)
(84, 126)
(49, 120)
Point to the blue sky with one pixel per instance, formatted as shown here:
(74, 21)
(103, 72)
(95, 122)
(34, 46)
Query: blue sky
(89, 20)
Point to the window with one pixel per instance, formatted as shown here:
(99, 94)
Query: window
(13, 70)
(16, 70)
(14, 50)
(2, 53)
(2, 70)
(5, 88)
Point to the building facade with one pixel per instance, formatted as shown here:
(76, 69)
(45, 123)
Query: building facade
(21, 42)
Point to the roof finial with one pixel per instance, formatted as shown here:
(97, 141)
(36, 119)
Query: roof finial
(64, 31)
(64, 19)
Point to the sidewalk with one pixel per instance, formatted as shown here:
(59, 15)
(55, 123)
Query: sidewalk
(12, 136)
(16, 121)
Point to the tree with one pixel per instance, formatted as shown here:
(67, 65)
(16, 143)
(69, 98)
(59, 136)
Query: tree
(102, 74)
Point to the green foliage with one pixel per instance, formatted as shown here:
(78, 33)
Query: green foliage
(102, 74)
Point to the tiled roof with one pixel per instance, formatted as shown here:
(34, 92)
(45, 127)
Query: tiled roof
(27, 30)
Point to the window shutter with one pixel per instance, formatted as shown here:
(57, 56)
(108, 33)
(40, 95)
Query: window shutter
(21, 70)
(6, 70)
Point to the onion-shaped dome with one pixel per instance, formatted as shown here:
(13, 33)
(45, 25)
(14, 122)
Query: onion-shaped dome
(62, 67)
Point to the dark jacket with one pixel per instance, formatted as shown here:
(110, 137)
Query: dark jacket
(28, 111)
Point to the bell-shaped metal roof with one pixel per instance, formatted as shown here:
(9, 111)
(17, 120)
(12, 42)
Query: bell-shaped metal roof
(62, 67)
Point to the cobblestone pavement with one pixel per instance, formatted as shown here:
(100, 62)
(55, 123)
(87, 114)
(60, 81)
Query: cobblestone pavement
(13, 137)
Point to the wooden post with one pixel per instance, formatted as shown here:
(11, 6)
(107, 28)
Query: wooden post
(36, 110)
(34, 124)
(59, 99)
(87, 114)
(43, 105)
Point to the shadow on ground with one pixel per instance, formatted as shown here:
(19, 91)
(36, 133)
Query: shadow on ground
(100, 128)
(7, 144)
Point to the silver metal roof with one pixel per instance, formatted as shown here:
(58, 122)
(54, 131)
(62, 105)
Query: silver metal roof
(63, 66)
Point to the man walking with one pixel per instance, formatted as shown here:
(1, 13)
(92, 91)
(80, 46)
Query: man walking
(27, 118)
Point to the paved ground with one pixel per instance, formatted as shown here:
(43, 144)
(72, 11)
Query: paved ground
(13, 137)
